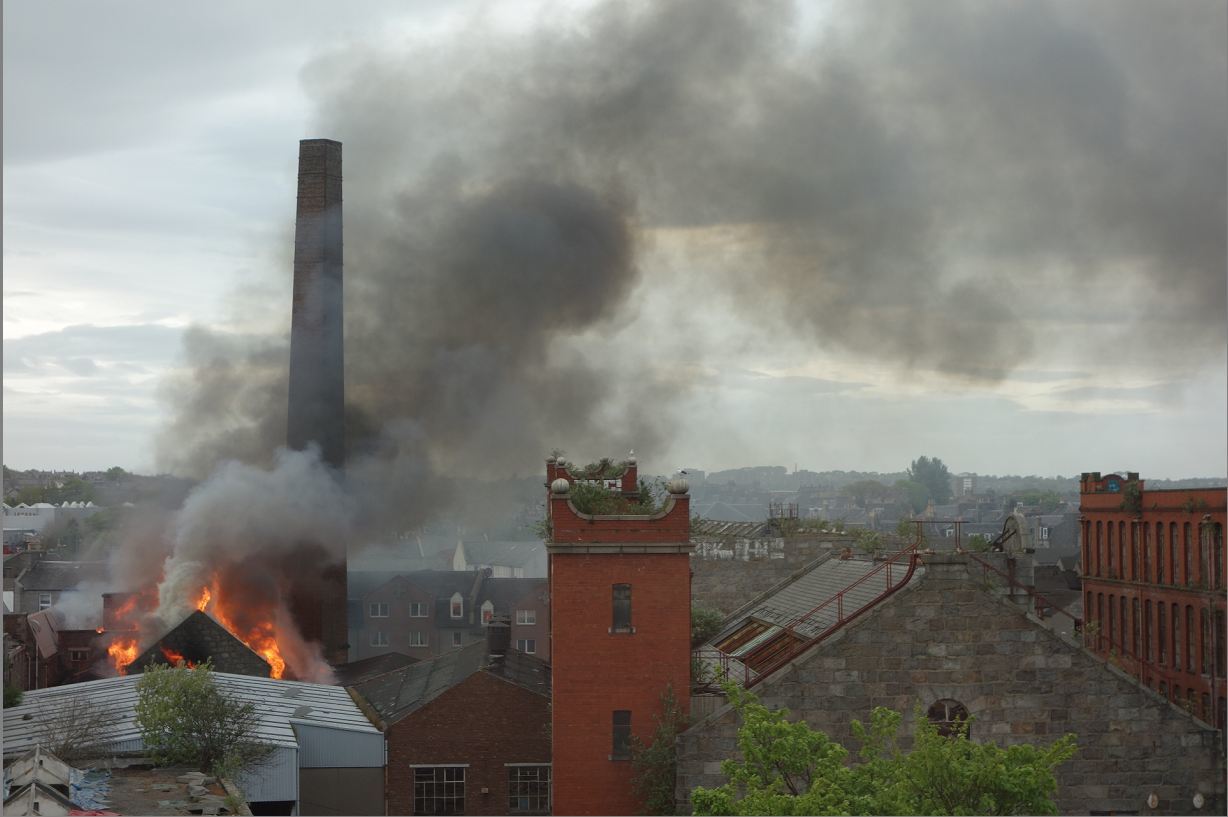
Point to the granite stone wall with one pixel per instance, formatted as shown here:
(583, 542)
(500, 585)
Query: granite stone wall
(948, 636)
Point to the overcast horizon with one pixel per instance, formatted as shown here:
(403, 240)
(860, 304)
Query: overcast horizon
(826, 237)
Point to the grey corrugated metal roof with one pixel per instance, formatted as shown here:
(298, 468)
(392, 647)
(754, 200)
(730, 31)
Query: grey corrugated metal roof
(276, 702)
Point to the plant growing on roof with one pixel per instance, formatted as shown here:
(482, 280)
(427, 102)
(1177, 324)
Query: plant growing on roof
(185, 718)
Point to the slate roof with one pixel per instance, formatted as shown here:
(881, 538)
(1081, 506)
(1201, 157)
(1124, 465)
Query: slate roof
(719, 527)
(51, 575)
(197, 638)
(276, 702)
(399, 693)
(506, 592)
(356, 672)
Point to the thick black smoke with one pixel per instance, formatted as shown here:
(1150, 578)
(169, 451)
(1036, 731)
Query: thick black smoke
(943, 186)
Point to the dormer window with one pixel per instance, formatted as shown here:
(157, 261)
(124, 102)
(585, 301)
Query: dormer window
(488, 611)
(457, 606)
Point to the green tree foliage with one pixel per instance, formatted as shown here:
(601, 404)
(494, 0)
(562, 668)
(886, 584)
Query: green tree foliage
(655, 764)
(115, 473)
(789, 768)
(705, 623)
(869, 541)
(978, 543)
(594, 498)
(1049, 501)
(913, 493)
(185, 719)
(865, 491)
(933, 474)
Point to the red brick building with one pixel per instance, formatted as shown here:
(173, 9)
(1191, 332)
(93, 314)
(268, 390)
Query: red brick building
(466, 733)
(1153, 586)
(620, 632)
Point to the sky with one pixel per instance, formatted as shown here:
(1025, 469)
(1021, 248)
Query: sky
(830, 235)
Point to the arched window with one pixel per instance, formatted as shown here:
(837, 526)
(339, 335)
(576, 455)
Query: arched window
(1172, 553)
(1121, 550)
(1185, 548)
(457, 606)
(1100, 620)
(1189, 638)
(1112, 623)
(1145, 545)
(1147, 629)
(1133, 552)
(1202, 641)
(950, 716)
(1121, 624)
(1108, 546)
(1159, 553)
(1176, 636)
(488, 611)
(1161, 633)
(1217, 547)
(1134, 628)
(1099, 530)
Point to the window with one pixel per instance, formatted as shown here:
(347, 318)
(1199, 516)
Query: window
(1202, 642)
(457, 638)
(1176, 636)
(1160, 631)
(379, 638)
(1121, 625)
(1099, 532)
(1146, 547)
(1134, 629)
(1185, 548)
(1108, 541)
(439, 790)
(1112, 624)
(378, 609)
(1189, 638)
(417, 639)
(528, 789)
(1044, 534)
(417, 609)
(1147, 628)
(526, 616)
(1217, 575)
(1172, 553)
(78, 655)
(621, 749)
(950, 716)
(527, 645)
(458, 606)
(1217, 644)
(622, 609)
(1159, 553)
(488, 611)
(44, 601)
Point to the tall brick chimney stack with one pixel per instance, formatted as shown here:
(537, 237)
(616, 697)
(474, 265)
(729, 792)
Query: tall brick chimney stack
(317, 377)
(317, 385)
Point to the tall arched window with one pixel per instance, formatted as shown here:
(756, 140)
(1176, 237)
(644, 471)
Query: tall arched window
(1099, 530)
(1145, 546)
(1147, 629)
(1159, 553)
(1133, 551)
(1099, 620)
(1108, 547)
(1121, 623)
(1134, 628)
(1176, 636)
(1217, 547)
(1172, 554)
(1189, 638)
(1112, 628)
(1185, 549)
(1202, 641)
(1161, 633)
(1121, 550)
(950, 716)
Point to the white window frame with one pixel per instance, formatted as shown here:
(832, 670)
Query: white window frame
(522, 644)
(462, 781)
(417, 609)
(44, 601)
(377, 609)
(456, 606)
(488, 611)
(379, 638)
(526, 616)
(417, 638)
(457, 638)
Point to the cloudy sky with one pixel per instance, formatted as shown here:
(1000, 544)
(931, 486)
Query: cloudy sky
(832, 235)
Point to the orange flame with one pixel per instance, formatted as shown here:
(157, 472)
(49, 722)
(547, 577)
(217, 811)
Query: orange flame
(123, 651)
(176, 658)
(262, 639)
(203, 601)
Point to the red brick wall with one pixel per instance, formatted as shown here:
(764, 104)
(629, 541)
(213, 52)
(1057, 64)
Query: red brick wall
(567, 526)
(483, 721)
(596, 672)
(1124, 559)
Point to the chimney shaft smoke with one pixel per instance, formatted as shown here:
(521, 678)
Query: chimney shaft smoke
(317, 386)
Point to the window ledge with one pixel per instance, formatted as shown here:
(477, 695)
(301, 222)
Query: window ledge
(621, 631)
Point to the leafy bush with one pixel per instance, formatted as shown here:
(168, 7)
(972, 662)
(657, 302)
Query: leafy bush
(654, 765)
(705, 623)
(593, 498)
(185, 719)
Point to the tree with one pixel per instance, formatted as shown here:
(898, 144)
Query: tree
(865, 490)
(914, 493)
(75, 729)
(115, 473)
(655, 765)
(933, 474)
(789, 768)
(705, 623)
(185, 718)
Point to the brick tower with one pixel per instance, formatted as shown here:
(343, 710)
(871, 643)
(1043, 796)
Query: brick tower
(620, 620)
(316, 412)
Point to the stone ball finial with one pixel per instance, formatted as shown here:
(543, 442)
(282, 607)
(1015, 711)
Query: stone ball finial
(552, 459)
(678, 486)
(560, 486)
